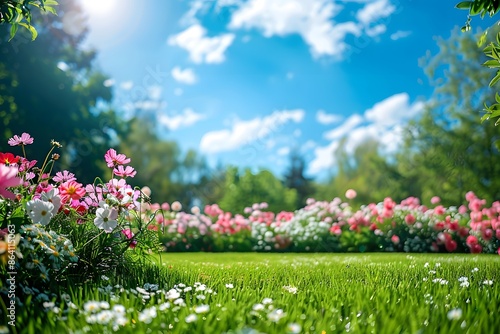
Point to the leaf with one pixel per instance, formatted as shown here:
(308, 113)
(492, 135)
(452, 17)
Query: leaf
(13, 30)
(51, 10)
(482, 39)
(493, 63)
(31, 29)
(497, 97)
(495, 79)
(464, 5)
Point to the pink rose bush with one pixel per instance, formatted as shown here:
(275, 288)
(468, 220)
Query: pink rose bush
(334, 226)
(67, 229)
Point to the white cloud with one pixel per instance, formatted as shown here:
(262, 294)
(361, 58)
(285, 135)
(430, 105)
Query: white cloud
(383, 122)
(127, 85)
(374, 11)
(201, 48)
(109, 83)
(323, 118)
(400, 34)
(246, 132)
(323, 157)
(187, 118)
(185, 76)
(284, 151)
(342, 130)
(311, 19)
(392, 110)
(376, 30)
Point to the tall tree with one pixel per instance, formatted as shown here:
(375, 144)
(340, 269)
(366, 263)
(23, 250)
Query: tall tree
(447, 151)
(295, 178)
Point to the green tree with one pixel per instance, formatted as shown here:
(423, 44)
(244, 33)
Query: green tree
(366, 171)
(51, 89)
(295, 178)
(244, 189)
(447, 152)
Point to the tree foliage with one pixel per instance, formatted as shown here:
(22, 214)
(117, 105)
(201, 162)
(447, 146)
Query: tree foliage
(18, 13)
(243, 189)
(295, 178)
(447, 152)
(51, 89)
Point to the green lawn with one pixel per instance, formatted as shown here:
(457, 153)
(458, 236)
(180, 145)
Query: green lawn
(280, 293)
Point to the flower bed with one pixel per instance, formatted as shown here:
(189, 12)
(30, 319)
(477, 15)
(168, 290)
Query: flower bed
(55, 230)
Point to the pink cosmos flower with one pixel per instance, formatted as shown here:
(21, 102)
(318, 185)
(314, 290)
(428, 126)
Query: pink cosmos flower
(124, 172)
(25, 139)
(64, 176)
(8, 178)
(71, 190)
(129, 234)
(395, 239)
(113, 159)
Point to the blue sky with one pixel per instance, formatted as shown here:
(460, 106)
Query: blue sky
(246, 81)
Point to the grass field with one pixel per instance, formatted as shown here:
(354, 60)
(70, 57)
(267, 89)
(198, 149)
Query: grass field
(286, 293)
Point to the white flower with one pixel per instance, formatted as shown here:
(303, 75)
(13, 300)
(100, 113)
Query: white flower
(119, 309)
(276, 315)
(475, 270)
(291, 289)
(258, 307)
(106, 218)
(455, 314)
(104, 305)
(92, 306)
(147, 315)
(488, 282)
(266, 301)
(179, 302)
(191, 318)
(164, 306)
(229, 286)
(40, 211)
(53, 197)
(293, 328)
(202, 309)
(172, 294)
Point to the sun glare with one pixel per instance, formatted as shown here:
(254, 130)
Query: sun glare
(99, 7)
